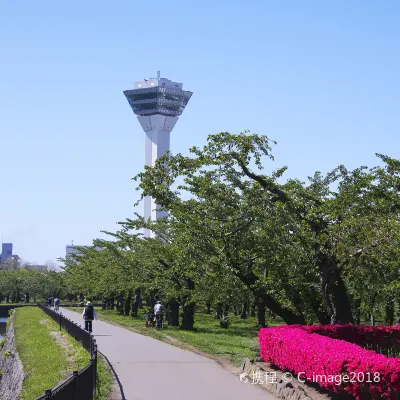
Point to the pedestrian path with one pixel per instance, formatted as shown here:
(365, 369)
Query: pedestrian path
(151, 369)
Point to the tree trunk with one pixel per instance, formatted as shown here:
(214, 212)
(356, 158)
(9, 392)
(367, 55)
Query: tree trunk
(208, 308)
(261, 314)
(389, 311)
(225, 310)
(334, 291)
(244, 310)
(398, 312)
(128, 304)
(151, 301)
(188, 316)
(173, 313)
(250, 280)
(253, 310)
(27, 297)
(218, 311)
(357, 311)
(120, 305)
(318, 307)
(235, 311)
(188, 308)
(135, 303)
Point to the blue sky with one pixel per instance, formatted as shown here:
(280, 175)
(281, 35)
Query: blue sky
(321, 78)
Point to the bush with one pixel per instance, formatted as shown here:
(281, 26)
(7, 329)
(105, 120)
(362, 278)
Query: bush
(371, 337)
(328, 362)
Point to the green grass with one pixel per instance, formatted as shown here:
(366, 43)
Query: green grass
(236, 342)
(42, 358)
(45, 361)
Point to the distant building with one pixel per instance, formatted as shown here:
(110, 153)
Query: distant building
(72, 249)
(7, 254)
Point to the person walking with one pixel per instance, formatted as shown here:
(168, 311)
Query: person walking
(56, 304)
(89, 315)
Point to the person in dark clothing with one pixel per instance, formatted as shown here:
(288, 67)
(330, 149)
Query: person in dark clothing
(89, 315)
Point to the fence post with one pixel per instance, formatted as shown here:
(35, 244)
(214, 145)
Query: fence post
(94, 369)
(60, 322)
(76, 376)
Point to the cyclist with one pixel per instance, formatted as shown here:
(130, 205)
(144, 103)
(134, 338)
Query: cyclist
(158, 312)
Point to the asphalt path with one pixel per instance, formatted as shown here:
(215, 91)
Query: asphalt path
(150, 369)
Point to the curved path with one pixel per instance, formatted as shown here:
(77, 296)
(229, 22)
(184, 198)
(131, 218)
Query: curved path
(148, 368)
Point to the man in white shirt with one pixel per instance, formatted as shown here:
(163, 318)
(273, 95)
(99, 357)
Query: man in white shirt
(158, 312)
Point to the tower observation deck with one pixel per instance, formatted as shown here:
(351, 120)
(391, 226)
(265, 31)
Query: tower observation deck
(158, 103)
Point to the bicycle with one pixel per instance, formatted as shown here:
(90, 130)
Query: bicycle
(159, 322)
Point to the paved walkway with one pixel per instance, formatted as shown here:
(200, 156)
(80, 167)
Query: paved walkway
(148, 368)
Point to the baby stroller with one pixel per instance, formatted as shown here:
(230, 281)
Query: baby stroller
(149, 318)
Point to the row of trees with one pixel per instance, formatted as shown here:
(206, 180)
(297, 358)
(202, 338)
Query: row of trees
(22, 285)
(237, 238)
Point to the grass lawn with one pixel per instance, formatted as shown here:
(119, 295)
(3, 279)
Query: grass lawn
(48, 356)
(236, 342)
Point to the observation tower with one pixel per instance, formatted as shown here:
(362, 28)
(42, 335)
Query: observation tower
(158, 103)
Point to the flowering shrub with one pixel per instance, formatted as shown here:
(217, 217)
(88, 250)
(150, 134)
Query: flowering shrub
(335, 364)
(383, 337)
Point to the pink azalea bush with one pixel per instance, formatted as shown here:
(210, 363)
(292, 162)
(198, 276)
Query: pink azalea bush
(327, 362)
(384, 337)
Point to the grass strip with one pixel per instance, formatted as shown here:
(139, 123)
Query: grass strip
(42, 358)
(105, 379)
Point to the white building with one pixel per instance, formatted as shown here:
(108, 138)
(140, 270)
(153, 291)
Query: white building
(158, 103)
(72, 249)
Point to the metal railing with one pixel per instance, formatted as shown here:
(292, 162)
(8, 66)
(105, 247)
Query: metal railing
(81, 385)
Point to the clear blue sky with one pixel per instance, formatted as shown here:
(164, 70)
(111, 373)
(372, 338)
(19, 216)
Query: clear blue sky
(321, 78)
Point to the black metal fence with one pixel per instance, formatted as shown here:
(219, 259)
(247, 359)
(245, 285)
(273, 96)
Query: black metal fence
(82, 384)
(79, 334)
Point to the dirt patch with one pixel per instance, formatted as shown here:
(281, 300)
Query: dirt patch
(67, 347)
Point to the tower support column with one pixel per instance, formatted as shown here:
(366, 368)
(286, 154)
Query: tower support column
(158, 132)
